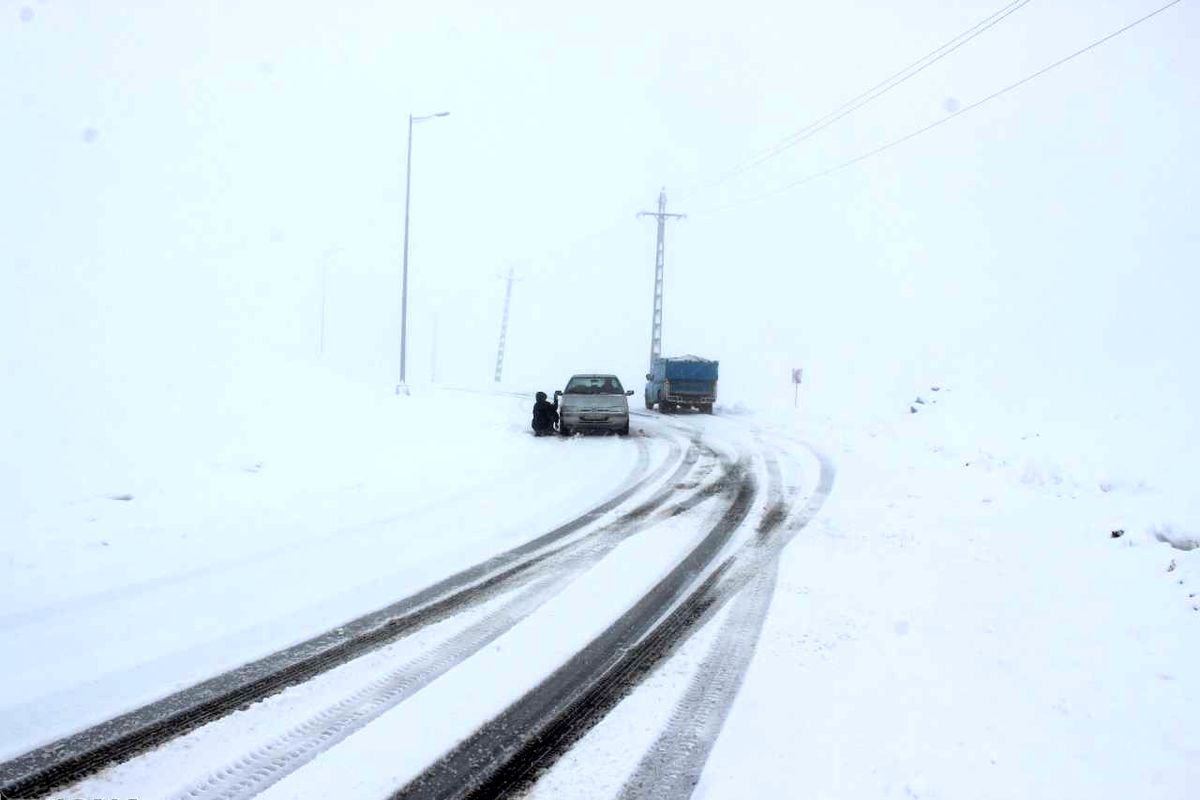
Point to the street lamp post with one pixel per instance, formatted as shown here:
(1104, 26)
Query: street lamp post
(402, 386)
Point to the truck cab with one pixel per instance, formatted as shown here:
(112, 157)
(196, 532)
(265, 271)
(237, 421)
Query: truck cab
(682, 382)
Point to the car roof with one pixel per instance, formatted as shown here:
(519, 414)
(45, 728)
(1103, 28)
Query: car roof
(593, 375)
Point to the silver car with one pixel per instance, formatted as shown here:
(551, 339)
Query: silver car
(593, 403)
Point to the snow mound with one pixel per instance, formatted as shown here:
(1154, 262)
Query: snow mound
(1176, 537)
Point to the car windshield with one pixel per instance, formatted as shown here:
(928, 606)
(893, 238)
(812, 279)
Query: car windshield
(594, 384)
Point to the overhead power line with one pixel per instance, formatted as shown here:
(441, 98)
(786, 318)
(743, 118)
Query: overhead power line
(873, 93)
(912, 135)
(846, 108)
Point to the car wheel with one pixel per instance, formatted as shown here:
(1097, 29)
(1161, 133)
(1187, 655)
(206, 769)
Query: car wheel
(624, 431)
(563, 430)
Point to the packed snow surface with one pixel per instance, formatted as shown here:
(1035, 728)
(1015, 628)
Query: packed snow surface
(965, 615)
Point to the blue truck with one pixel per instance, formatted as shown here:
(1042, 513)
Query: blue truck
(683, 382)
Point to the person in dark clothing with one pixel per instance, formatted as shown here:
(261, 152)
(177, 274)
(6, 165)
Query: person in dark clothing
(545, 415)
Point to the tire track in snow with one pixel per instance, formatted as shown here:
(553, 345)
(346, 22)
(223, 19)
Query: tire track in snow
(67, 760)
(664, 641)
(674, 763)
(508, 751)
(672, 766)
(283, 755)
(272, 762)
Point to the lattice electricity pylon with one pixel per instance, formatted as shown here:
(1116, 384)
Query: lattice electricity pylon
(656, 317)
(504, 327)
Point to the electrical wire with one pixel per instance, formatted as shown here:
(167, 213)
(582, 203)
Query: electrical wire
(871, 94)
(912, 135)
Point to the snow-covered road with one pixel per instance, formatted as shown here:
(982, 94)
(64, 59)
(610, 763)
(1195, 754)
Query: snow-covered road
(638, 543)
(705, 609)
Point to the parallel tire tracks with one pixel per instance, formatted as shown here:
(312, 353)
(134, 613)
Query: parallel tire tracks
(510, 753)
(513, 747)
(672, 766)
(67, 760)
(284, 754)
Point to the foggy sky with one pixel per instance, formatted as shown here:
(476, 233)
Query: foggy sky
(177, 178)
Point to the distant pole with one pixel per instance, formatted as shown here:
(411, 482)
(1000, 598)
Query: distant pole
(324, 276)
(433, 352)
(656, 316)
(402, 386)
(325, 257)
(504, 326)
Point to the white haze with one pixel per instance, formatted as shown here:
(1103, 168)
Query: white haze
(178, 178)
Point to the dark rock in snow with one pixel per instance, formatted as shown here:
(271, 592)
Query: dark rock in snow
(912, 409)
(1118, 533)
(124, 498)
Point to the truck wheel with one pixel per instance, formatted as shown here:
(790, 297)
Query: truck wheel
(649, 405)
(665, 407)
(706, 408)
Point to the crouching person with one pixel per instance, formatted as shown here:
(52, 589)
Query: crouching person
(545, 415)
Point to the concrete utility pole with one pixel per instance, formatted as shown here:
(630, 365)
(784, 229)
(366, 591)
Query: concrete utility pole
(324, 284)
(325, 257)
(433, 352)
(656, 317)
(504, 326)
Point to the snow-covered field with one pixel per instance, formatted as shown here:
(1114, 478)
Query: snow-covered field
(959, 623)
(957, 618)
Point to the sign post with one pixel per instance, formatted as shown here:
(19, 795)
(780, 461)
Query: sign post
(797, 377)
